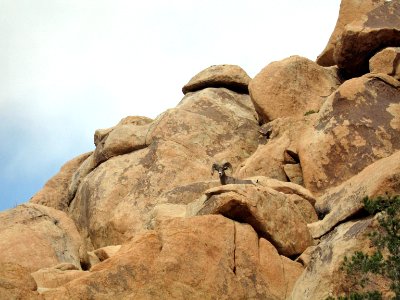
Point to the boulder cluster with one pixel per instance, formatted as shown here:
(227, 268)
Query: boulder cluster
(141, 217)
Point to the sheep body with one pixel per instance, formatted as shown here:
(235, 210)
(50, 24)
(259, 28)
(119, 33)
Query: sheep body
(225, 179)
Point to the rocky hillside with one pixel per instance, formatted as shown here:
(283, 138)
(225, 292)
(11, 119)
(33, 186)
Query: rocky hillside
(142, 217)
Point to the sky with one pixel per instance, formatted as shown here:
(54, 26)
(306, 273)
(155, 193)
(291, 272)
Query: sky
(69, 67)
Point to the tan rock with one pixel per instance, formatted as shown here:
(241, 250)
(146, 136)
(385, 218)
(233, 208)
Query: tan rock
(227, 76)
(346, 200)
(294, 173)
(357, 125)
(269, 158)
(360, 40)
(16, 282)
(107, 252)
(129, 135)
(387, 62)
(36, 236)
(115, 200)
(305, 207)
(207, 257)
(291, 88)
(55, 191)
(350, 10)
(280, 272)
(322, 277)
(288, 188)
(269, 212)
(49, 278)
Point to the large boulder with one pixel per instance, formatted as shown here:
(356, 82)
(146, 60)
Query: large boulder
(220, 76)
(272, 214)
(115, 200)
(35, 236)
(361, 39)
(350, 10)
(358, 124)
(55, 191)
(346, 200)
(323, 276)
(291, 88)
(207, 257)
(387, 62)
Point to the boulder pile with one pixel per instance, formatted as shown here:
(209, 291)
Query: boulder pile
(141, 217)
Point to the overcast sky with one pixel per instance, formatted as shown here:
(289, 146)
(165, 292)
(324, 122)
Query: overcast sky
(69, 67)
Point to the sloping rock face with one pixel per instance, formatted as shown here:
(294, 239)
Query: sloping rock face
(357, 125)
(193, 258)
(387, 62)
(346, 200)
(115, 200)
(227, 76)
(323, 277)
(291, 88)
(350, 10)
(35, 236)
(360, 40)
(55, 191)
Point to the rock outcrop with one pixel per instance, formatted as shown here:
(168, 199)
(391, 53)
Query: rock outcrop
(367, 35)
(115, 200)
(272, 214)
(141, 217)
(357, 125)
(192, 258)
(350, 10)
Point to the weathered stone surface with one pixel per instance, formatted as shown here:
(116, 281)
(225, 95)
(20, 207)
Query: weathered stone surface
(346, 200)
(106, 252)
(358, 124)
(294, 173)
(305, 207)
(36, 236)
(350, 10)
(288, 188)
(322, 277)
(227, 76)
(129, 135)
(269, 212)
(291, 88)
(115, 200)
(49, 278)
(361, 39)
(387, 62)
(271, 156)
(55, 191)
(203, 257)
(16, 282)
(280, 272)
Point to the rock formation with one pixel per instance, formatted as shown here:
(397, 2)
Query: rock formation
(141, 217)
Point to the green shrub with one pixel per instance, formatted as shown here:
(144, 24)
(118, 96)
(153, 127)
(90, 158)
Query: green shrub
(386, 240)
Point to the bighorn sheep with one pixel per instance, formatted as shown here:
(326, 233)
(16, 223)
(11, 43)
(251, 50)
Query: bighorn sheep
(225, 179)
